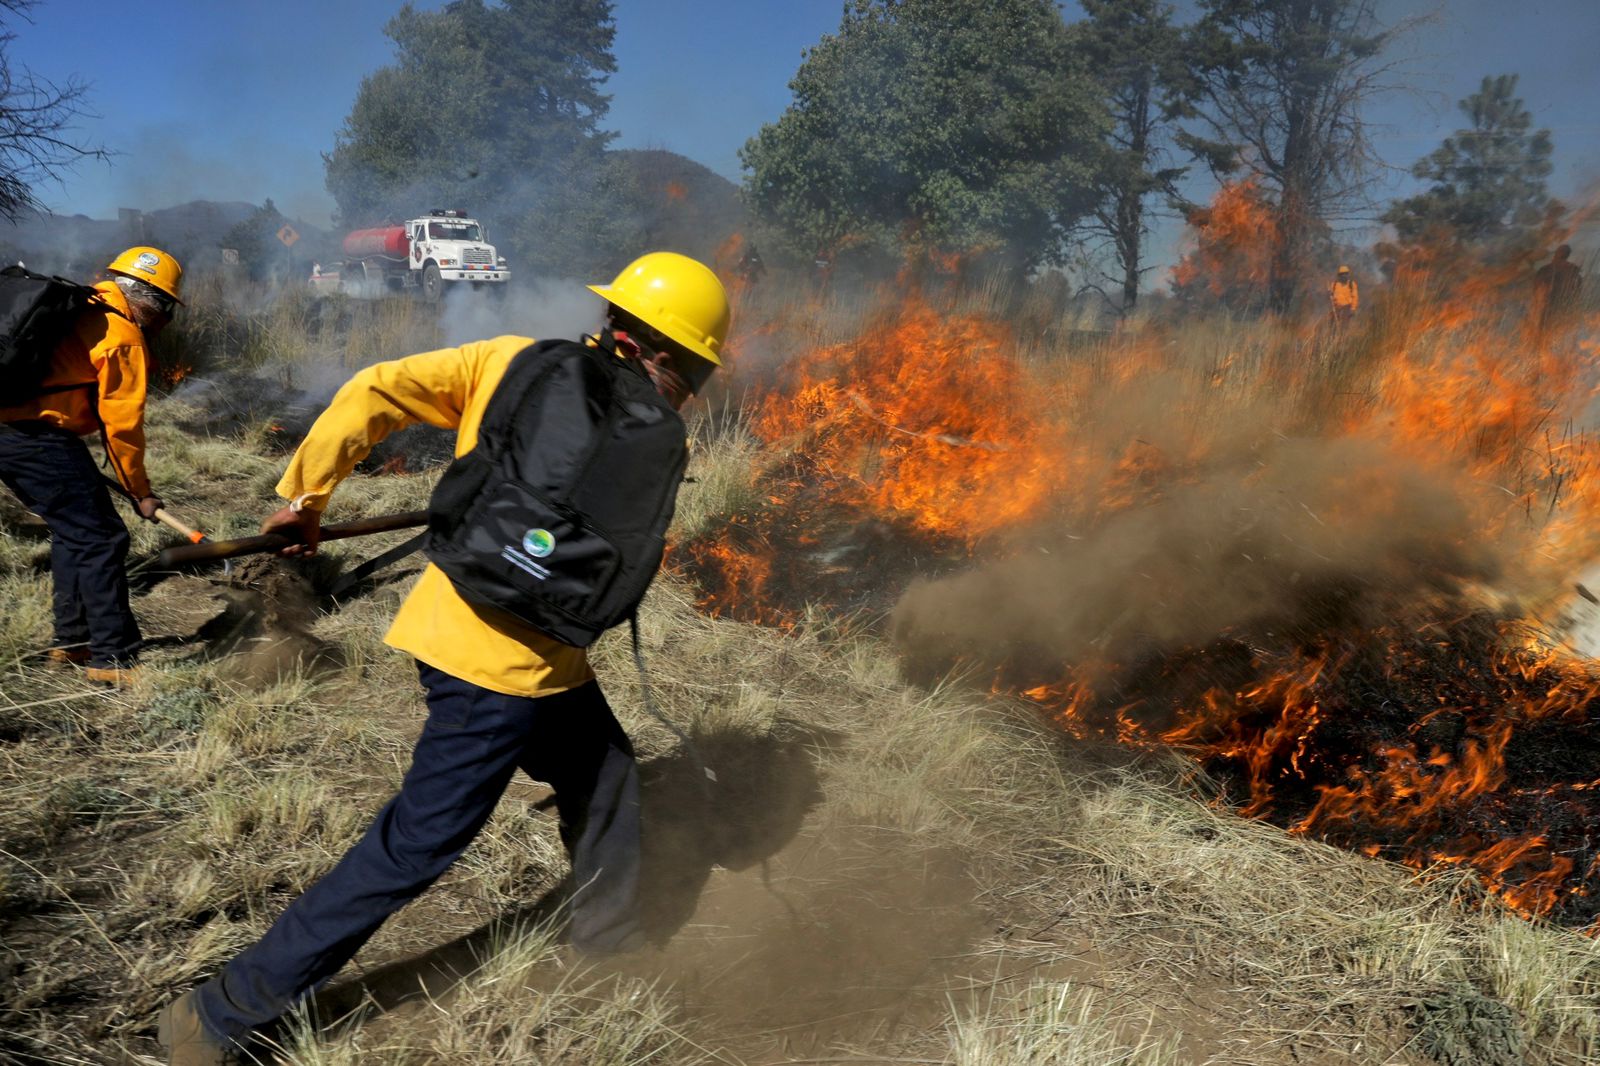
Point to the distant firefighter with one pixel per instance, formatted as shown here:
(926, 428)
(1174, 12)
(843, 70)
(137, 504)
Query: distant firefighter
(751, 267)
(1343, 297)
(1556, 286)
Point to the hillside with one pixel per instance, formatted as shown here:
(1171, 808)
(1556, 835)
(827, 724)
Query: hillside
(680, 205)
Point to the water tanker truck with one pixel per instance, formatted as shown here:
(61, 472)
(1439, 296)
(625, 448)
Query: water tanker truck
(424, 255)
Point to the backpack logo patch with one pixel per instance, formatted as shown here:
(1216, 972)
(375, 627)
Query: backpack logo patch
(538, 543)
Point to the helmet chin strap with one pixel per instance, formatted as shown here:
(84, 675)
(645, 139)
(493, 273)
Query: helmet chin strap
(671, 370)
(626, 344)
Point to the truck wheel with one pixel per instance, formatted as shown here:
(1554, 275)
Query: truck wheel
(432, 284)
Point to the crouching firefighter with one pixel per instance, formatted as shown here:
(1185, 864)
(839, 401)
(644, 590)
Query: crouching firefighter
(546, 530)
(75, 362)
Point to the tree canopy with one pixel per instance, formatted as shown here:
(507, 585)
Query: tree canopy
(933, 128)
(255, 239)
(1284, 82)
(1488, 180)
(1137, 59)
(495, 108)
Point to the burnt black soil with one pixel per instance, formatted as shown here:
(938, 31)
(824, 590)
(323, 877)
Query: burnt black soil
(767, 565)
(1396, 714)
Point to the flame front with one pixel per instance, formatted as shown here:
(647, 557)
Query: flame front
(1331, 642)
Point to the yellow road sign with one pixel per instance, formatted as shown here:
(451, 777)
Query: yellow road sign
(288, 236)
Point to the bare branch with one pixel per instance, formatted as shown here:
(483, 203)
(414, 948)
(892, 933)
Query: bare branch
(37, 116)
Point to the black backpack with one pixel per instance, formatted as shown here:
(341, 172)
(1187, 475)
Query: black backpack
(36, 314)
(558, 516)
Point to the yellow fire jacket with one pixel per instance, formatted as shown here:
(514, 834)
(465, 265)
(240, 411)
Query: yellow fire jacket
(449, 388)
(106, 355)
(1344, 295)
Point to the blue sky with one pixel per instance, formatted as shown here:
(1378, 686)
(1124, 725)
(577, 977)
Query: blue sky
(228, 100)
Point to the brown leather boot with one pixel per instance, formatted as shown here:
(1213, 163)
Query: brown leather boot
(118, 676)
(67, 656)
(186, 1039)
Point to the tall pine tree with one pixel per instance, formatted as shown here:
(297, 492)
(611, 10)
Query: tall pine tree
(933, 128)
(1487, 181)
(1284, 83)
(1136, 57)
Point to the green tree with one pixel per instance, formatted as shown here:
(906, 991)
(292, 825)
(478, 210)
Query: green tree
(1137, 57)
(1488, 180)
(37, 141)
(932, 128)
(492, 107)
(256, 240)
(1283, 85)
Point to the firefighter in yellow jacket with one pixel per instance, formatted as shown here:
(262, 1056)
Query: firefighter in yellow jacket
(1343, 297)
(96, 385)
(501, 696)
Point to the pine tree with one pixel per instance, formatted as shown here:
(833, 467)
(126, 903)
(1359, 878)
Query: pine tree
(1284, 82)
(1488, 179)
(933, 128)
(1136, 57)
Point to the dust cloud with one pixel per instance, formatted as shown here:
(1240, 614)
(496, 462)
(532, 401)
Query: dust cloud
(1265, 533)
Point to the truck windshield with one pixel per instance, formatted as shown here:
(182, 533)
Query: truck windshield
(454, 231)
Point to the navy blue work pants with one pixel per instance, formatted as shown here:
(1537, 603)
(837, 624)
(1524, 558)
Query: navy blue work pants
(473, 742)
(51, 471)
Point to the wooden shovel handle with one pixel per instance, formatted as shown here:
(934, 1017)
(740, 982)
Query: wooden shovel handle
(271, 542)
(194, 535)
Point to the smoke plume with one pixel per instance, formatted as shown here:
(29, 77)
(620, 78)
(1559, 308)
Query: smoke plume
(1290, 532)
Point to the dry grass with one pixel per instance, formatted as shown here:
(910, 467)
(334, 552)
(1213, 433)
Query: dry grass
(1059, 1025)
(965, 886)
(234, 324)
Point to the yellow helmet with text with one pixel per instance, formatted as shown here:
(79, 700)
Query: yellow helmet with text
(153, 267)
(679, 296)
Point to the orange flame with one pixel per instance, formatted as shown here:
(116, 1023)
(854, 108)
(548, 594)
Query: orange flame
(1233, 242)
(943, 429)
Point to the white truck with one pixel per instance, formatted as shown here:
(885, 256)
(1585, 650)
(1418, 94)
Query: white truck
(424, 255)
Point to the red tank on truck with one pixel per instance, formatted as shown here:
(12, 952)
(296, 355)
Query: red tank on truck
(425, 255)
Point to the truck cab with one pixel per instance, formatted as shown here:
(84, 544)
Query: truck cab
(447, 246)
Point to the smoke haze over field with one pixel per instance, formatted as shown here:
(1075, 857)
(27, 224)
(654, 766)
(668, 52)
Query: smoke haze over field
(1271, 535)
(1201, 509)
(542, 308)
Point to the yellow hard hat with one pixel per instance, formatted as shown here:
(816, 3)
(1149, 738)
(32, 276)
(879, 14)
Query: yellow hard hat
(677, 295)
(1344, 269)
(153, 267)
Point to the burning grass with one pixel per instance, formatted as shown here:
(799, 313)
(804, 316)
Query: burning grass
(890, 872)
(1295, 553)
(1461, 741)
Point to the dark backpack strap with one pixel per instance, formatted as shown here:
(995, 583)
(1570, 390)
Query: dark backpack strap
(98, 300)
(349, 580)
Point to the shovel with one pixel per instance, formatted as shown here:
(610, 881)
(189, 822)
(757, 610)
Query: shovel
(210, 550)
(162, 515)
(166, 518)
